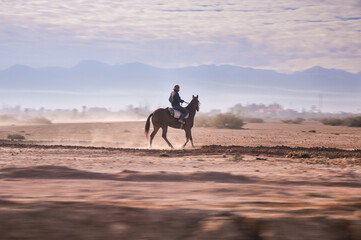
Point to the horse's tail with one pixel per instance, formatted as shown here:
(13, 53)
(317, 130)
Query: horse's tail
(147, 125)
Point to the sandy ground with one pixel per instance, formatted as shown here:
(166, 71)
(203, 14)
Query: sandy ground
(131, 135)
(60, 192)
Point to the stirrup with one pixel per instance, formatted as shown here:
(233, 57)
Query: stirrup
(181, 121)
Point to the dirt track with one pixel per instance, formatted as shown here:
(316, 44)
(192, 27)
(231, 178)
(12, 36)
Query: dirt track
(207, 150)
(131, 135)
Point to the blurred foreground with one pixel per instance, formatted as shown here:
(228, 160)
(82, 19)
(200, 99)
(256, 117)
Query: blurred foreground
(217, 192)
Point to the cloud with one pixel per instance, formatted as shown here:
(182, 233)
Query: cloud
(348, 18)
(193, 10)
(216, 32)
(289, 8)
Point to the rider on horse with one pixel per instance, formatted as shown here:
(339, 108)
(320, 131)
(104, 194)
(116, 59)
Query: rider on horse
(176, 101)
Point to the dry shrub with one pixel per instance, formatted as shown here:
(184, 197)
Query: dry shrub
(338, 161)
(287, 121)
(254, 120)
(163, 154)
(294, 121)
(350, 121)
(299, 154)
(227, 120)
(7, 118)
(236, 157)
(40, 120)
(13, 137)
(332, 121)
(202, 121)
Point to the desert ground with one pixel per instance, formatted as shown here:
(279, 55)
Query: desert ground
(100, 181)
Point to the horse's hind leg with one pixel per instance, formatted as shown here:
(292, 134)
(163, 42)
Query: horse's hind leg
(153, 134)
(164, 135)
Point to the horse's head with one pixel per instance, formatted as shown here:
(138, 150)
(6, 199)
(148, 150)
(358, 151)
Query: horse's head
(195, 102)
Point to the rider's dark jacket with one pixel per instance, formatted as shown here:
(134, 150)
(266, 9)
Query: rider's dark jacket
(175, 99)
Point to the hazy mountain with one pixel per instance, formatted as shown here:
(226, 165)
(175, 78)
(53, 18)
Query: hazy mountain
(93, 75)
(140, 81)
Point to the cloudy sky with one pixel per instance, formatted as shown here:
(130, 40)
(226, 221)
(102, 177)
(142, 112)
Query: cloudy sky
(285, 35)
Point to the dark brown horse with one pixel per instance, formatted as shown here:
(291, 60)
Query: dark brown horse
(162, 119)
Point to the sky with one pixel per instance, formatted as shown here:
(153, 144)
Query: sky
(283, 35)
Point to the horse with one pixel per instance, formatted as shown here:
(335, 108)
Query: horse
(163, 119)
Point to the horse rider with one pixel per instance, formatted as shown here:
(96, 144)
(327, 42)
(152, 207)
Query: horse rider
(176, 101)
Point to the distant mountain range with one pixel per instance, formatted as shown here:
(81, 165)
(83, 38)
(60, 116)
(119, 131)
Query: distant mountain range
(219, 85)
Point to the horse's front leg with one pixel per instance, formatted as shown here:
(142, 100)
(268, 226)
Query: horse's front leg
(188, 136)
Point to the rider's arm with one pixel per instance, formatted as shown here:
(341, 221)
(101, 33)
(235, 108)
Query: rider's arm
(180, 100)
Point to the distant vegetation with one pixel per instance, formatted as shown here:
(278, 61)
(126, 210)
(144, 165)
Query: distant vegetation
(13, 137)
(350, 121)
(16, 115)
(294, 121)
(8, 119)
(332, 121)
(39, 120)
(201, 121)
(250, 113)
(227, 120)
(254, 120)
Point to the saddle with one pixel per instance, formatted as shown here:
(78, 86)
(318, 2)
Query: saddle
(175, 113)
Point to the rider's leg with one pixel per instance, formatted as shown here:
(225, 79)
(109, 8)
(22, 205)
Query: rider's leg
(184, 112)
